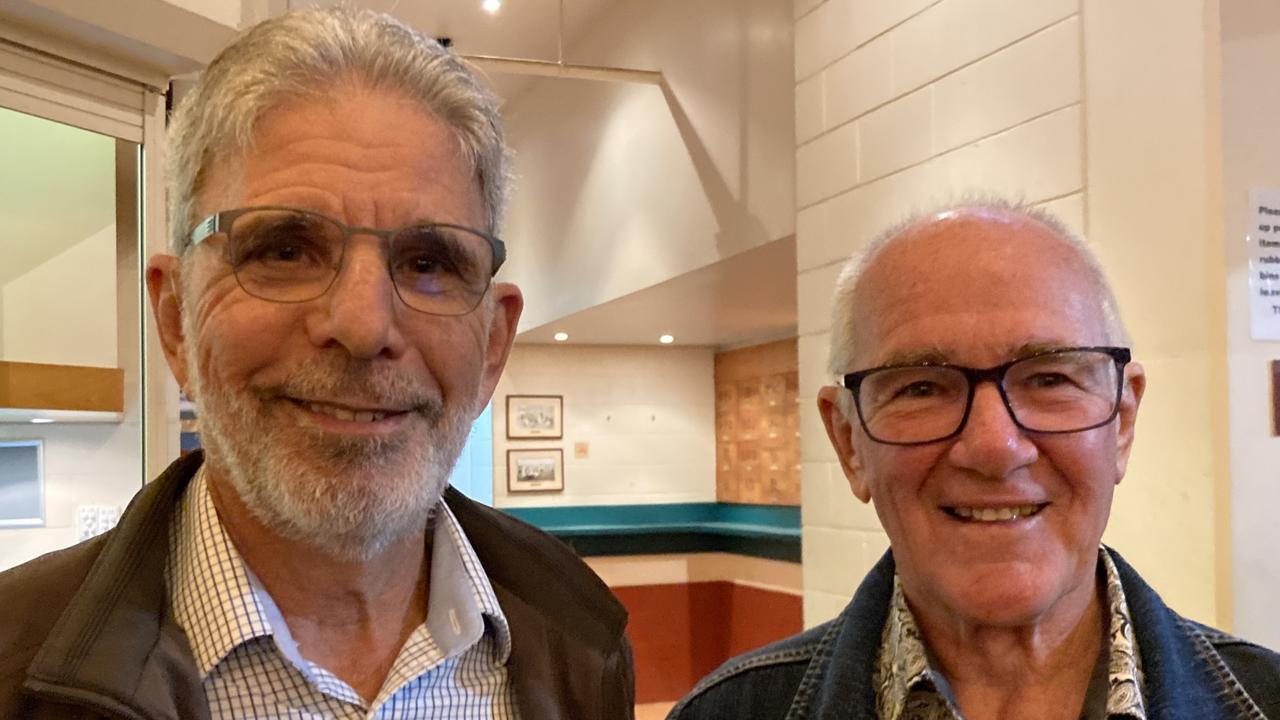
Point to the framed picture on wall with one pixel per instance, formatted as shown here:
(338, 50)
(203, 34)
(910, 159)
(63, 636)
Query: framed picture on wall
(535, 470)
(535, 417)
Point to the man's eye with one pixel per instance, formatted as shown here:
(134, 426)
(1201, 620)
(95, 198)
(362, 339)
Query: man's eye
(281, 251)
(918, 389)
(1045, 381)
(425, 264)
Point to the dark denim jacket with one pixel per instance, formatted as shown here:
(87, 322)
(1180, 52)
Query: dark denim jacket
(1191, 672)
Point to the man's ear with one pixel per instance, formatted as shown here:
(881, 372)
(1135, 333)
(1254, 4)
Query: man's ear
(163, 283)
(840, 433)
(1135, 384)
(508, 302)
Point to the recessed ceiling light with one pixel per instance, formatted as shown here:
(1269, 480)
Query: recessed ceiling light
(491, 6)
(41, 421)
(666, 339)
(561, 336)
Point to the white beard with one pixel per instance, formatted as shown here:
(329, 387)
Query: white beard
(347, 497)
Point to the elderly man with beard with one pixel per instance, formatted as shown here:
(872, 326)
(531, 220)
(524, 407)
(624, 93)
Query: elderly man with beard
(985, 404)
(336, 180)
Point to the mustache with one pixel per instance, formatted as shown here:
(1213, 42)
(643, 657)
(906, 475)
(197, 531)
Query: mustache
(338, 377)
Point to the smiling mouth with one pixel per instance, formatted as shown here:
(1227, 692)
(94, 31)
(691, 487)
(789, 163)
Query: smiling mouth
(971, 514)
(347, 414)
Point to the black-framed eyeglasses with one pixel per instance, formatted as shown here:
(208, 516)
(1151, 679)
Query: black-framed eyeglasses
(289, 255)
(1064, 390)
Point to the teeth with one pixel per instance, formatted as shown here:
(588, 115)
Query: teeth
(996, 514)
(363, 416)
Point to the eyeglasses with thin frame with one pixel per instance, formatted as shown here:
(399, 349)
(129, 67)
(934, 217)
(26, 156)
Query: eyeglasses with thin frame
(1064, 390)
(287, 255)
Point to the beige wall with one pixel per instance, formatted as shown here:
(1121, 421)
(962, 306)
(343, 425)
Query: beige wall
(1251, 158)
(620, 187)
(647, 414)
(63, 311)
(907, 104)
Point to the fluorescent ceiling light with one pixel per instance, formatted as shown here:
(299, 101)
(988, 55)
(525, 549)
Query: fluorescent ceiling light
(41, 421)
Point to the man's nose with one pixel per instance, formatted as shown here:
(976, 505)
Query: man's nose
(361, 310)
(991, 443)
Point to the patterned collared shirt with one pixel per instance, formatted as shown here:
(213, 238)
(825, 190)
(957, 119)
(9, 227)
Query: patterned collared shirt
(453, 665)
(909, 688)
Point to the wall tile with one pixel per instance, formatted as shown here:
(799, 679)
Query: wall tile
(1070, 210)
(805, 6)
(954, 33)
(831, 559)
(858, 82)
(822, 36)
(895, 136)
(849, 511)
(814, 446)
(810, 114)
(855, 218)
(813, 302)
(820, 607)
(812, 239)
(836, 560)
(873, 17)
(1035, 76)
(813, 374)
(813, 364)
(829, 502)
(827, 165)
(1036, 160)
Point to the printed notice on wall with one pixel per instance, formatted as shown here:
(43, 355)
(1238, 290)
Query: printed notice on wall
(1264, 263)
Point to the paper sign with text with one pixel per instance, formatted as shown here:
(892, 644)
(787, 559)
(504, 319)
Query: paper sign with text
(1264, 263)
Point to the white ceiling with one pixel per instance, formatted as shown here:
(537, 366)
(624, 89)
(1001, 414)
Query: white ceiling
(742, 300)
(521, 29)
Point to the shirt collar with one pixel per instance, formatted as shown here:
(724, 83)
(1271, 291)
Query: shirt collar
(214, 601)
(904, 671)
(221, 605)
(462, 604)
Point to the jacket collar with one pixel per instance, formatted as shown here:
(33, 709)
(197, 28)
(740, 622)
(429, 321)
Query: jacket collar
(566, 623)
(1185, 677)
(116, 645)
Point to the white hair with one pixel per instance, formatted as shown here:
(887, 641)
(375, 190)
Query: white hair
(305, 53)
(841, 356)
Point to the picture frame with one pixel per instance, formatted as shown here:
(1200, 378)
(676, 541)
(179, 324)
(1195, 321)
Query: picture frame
(535, 470)
(535, 417)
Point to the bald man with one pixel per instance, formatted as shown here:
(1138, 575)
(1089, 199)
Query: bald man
(985, 404)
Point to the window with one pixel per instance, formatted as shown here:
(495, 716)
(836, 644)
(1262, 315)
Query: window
(21, 483)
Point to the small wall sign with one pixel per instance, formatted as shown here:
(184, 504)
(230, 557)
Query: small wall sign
(1264, 263)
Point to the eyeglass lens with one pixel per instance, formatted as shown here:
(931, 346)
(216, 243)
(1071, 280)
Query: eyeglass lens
(289, 256)
(1056, 392)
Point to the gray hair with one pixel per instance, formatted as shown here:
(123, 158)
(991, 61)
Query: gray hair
(840, 358)
(305, 53)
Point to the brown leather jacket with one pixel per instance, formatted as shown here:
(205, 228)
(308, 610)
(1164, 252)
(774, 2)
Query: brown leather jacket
(86, 632)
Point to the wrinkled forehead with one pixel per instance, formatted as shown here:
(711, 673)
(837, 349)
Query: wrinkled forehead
(966, 265)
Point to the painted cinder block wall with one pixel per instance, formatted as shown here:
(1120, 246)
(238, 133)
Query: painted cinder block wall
(1107, 114)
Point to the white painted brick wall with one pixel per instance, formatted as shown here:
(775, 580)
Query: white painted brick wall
(899, 105)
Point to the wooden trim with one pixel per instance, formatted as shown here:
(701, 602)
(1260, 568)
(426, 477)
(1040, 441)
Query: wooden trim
(42, 386)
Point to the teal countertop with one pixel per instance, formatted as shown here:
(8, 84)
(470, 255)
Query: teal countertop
(759, 530)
